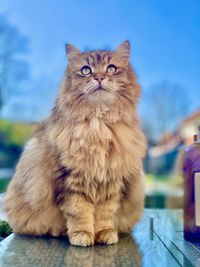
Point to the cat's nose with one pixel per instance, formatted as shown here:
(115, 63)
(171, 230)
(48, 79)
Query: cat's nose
(99, 77)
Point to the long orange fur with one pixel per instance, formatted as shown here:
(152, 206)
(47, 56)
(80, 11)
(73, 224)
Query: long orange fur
(81, 172)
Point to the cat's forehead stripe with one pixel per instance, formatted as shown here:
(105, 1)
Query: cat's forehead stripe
(92, 60)
(97, 57)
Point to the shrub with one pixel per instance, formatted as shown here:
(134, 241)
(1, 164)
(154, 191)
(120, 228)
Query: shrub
(5, 229)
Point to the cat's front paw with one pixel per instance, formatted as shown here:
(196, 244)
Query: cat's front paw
(83, 239)
(107, 236)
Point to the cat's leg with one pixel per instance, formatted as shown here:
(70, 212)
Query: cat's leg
(105, 228)
(132, 204)
(79, 214)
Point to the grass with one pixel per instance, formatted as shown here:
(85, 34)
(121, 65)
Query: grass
(164, 179)
(16, 133)
(153, 177)
(160, 187)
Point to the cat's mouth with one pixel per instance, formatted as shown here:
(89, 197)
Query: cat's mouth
(100, 88)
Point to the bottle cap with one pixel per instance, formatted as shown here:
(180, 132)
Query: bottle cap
(196, 138)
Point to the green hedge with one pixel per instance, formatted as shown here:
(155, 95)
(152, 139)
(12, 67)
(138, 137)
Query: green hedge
(4, 184)
(5, 229)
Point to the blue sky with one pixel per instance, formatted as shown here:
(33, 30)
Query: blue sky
(165, 37)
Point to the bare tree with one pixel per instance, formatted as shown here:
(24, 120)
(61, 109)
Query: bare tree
(164, 105)
(14, 68)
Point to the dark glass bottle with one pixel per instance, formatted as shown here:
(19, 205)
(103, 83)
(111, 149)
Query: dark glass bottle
(191, 169)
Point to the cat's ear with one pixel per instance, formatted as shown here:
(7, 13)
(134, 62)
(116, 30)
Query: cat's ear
(123, 50)
(71, 51)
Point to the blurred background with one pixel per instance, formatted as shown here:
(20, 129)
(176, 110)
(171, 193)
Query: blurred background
(165, 39)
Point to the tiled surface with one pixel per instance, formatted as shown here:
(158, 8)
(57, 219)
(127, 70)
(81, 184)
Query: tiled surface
(156, 241)
(25, 251)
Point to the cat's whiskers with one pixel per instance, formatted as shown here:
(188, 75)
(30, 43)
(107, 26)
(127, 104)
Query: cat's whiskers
(91, 86)
(109, 85)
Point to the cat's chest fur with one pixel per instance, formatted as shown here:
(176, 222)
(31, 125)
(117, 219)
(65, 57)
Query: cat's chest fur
(100, 150)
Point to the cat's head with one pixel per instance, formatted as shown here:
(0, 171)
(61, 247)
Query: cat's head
(100, 75)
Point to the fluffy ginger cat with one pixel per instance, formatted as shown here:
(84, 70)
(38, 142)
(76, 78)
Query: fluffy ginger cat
(81, 172)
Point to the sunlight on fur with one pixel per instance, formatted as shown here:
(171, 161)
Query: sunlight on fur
(81, 172)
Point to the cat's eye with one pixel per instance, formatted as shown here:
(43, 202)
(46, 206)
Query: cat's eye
(86, 70)
(111, 68)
